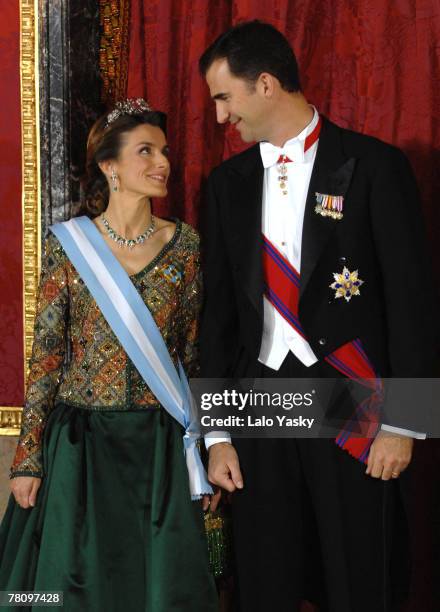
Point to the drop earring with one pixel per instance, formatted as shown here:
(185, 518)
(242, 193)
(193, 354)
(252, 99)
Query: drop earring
(114, 176)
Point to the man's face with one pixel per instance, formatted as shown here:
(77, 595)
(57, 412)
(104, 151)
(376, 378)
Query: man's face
(237, 102)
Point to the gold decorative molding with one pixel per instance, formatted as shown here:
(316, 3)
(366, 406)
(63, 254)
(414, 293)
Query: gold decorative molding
(10, 417)
(10, 421)
(30, 165)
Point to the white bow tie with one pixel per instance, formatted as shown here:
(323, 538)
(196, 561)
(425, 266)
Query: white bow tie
(270, 154)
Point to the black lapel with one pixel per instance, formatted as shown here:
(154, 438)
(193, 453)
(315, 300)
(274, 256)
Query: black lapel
(331, 174)
(245, 220)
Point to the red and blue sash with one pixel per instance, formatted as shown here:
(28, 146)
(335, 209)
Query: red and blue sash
(282, 283)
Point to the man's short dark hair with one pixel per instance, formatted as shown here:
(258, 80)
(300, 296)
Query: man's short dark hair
(251, 48)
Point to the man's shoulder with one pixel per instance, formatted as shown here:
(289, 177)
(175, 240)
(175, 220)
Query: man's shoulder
(359, 145)
(237, 162)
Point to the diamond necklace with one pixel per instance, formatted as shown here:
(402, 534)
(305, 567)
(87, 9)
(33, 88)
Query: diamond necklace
(128, 242)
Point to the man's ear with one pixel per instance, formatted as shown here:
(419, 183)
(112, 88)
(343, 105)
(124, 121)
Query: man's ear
(266, 84)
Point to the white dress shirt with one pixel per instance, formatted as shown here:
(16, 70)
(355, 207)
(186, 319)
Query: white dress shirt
(282, 224)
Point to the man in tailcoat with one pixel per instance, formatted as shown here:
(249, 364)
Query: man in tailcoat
(328, 202)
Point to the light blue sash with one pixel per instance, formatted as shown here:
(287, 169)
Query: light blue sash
(136, 330)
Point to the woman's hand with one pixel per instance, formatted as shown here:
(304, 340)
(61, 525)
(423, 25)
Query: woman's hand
(210, 502)
(24, 489)
(205, 502)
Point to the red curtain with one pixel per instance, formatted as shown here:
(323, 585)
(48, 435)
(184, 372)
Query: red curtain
(371, 65)
(11, 301)
(166, 40)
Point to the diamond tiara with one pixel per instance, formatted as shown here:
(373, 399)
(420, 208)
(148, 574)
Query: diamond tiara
(131, 106)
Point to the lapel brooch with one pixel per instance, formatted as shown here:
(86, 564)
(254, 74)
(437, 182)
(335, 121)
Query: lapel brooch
(329, 205)
(346, 284)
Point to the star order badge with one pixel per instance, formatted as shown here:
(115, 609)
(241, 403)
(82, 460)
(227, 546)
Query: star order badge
(346, 284)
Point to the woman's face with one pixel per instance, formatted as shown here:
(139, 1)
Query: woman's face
(142, 166)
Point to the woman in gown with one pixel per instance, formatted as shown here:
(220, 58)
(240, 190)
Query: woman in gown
(100, 506)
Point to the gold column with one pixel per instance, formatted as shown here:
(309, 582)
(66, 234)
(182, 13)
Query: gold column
(10, 417)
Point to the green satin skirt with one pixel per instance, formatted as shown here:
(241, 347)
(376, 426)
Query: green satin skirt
(114, 526)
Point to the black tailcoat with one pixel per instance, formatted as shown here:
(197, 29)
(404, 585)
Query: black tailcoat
(381, 235)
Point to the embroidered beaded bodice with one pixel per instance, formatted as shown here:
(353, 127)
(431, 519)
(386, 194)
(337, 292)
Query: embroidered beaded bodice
(77, 359)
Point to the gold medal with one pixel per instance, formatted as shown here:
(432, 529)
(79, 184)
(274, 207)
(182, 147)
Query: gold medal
(329, 205)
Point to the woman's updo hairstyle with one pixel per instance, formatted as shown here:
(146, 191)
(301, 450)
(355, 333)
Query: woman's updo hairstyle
(105, 141)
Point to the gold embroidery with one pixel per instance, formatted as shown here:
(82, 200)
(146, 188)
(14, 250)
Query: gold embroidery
(99, 375)
(113, 51)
